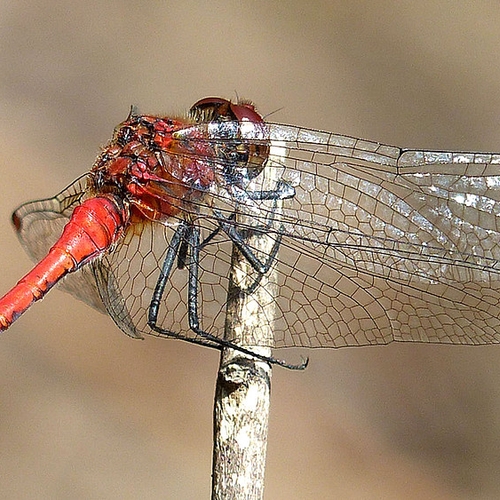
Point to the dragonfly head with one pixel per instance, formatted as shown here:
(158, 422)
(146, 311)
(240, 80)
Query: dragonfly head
(238, 137)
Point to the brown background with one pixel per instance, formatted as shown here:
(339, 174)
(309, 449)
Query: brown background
(85, 412)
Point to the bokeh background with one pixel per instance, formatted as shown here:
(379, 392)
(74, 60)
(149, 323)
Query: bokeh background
(86, 412)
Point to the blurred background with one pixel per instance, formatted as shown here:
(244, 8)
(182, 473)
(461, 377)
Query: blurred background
(86, 412)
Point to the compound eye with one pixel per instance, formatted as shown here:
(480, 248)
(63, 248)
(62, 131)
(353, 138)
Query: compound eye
(218, 109)
(246, 111)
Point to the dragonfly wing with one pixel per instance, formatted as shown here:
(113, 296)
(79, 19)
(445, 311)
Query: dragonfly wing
(377, 244)
(385, 244)
(40, 223)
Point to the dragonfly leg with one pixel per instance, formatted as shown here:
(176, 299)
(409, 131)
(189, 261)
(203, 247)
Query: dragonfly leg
(283, 191)
(215, 232)
(182, 259)
(239, 239)
(179, 243)
(190, 236)
(172, 252)
(194, 322)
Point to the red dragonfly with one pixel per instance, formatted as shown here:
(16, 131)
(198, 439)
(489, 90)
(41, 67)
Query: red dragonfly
(372, 243)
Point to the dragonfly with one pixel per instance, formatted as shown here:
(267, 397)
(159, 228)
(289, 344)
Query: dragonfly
(370, 243)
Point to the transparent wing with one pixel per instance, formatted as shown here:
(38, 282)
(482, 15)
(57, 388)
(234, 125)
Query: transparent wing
(387, 244)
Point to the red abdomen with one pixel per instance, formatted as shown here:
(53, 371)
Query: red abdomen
(94, 226)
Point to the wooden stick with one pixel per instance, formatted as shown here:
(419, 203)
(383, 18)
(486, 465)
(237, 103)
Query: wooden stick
(242, 398)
